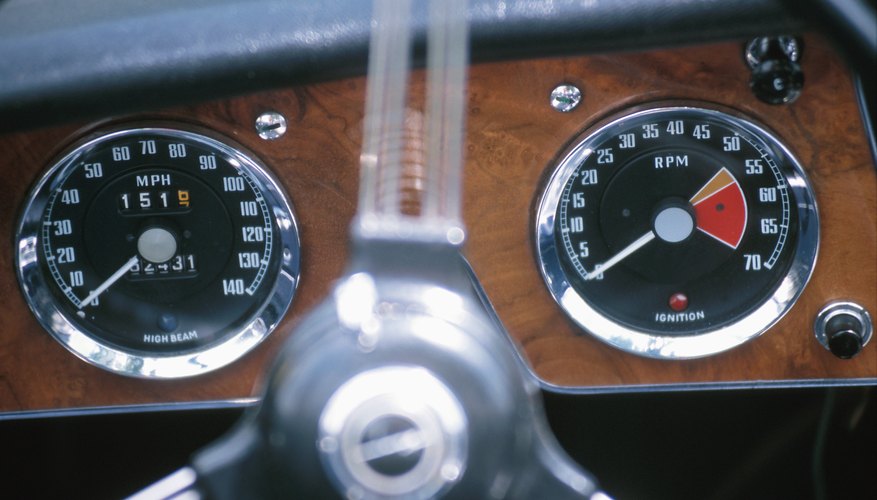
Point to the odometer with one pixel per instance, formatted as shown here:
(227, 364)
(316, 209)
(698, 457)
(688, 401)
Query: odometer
(677, 232)
(158, 252)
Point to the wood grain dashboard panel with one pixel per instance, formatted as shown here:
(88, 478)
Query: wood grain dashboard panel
(513, 138)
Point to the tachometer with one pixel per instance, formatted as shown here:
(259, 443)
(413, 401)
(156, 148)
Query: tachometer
(677, 232)
(158, 252)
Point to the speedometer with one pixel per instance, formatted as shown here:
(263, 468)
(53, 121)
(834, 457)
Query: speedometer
(677, 232)
(158, 252)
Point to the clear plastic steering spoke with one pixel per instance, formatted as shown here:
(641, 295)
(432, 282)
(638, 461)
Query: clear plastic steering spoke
(389, 131)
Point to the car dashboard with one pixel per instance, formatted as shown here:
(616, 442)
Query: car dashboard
(516, 139)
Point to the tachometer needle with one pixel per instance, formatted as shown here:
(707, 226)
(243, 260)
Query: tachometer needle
(633, 247)
(109, 281)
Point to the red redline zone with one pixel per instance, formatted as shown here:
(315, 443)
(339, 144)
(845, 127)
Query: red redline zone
(722, 215)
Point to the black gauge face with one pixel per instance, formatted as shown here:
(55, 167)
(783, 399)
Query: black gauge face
(163, 246)
(671, 224)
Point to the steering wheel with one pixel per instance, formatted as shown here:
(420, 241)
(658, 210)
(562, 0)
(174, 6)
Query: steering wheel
(401, 384)
(425, 394)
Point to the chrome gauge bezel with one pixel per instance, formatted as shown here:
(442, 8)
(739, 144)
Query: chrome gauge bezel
(142, 364)
(653, 344)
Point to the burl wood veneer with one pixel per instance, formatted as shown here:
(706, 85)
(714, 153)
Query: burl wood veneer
(513, 139)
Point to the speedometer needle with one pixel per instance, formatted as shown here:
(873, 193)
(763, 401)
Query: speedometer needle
(615, 259)
(109, 281)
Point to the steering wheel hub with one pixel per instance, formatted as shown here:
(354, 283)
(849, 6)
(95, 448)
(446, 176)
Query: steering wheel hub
(393, 431)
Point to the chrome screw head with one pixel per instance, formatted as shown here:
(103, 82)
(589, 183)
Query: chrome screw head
(565, 97)
(270, 125)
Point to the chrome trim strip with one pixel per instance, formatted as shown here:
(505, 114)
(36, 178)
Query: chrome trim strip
(222, 404)
(246, 403)
(709, 386)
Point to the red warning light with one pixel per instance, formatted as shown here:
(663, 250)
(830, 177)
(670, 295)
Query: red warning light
(678, 302)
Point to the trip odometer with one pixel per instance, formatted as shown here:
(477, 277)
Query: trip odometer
(158, 252)
(677, 232)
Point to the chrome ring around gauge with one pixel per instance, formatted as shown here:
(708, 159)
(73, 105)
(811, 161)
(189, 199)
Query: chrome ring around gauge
(158, 251)
(677, 232)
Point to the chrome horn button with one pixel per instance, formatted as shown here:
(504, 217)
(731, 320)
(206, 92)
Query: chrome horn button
(392, 432)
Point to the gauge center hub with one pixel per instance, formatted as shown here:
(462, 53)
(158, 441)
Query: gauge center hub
(157, 245)
(673, 224)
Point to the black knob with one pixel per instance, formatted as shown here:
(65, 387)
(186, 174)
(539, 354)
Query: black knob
(844, 333)
(776, 73)
(845, 344)
(844, 328)
(777, 81)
